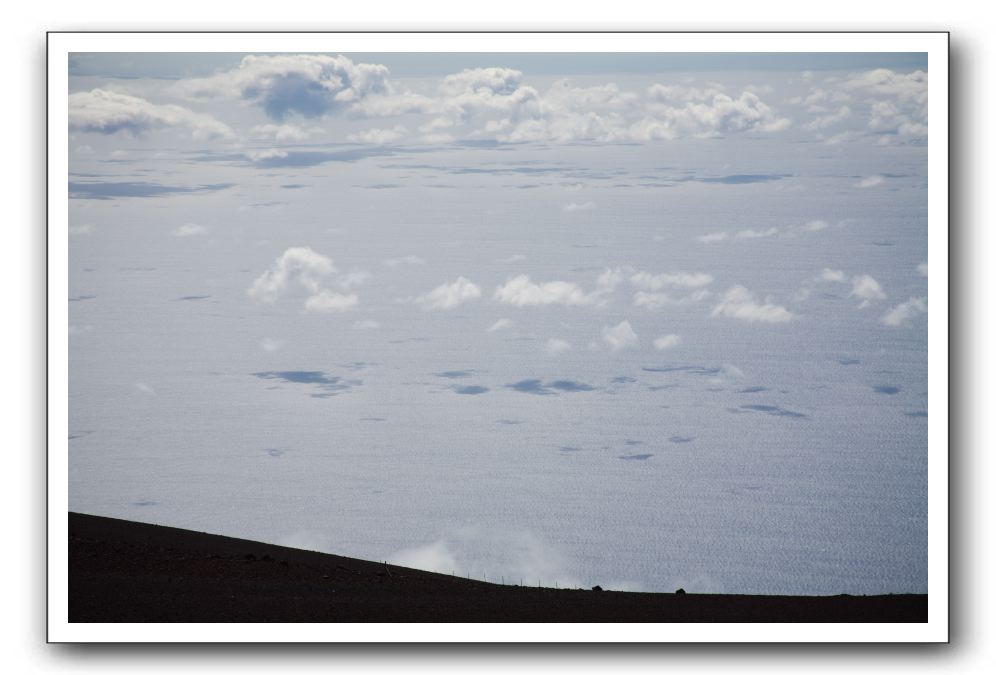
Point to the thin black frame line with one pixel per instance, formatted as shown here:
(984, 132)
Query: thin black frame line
(257, 32)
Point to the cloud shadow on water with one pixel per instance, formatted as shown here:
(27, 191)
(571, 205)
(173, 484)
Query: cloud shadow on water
(886, 389)
(328, 386)
(637, 457)
(693, 370)
(471, 390)
(775, 410)
(95, 190)
(539, 388)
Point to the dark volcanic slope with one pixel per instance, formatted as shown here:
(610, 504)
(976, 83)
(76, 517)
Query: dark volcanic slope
(126, 571)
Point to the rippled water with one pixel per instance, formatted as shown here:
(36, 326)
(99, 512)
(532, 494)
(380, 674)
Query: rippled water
(751, 457)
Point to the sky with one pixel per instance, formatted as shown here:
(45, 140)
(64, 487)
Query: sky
(643, 321)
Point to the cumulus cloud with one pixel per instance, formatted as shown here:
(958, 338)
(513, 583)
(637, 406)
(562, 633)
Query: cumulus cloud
(922, 269)
(739, 303)
(905, 311)
(326, 301)
(109, 112)
(310, 85)
(521, 291)
(189, 230)
(299, 265)
(620, 336)
(501, 324)
(448, 296)
(80, 229)
(865, 288)
(557, 346)
(870, 181)
(666, 342)
(366, 324)
(899, 101)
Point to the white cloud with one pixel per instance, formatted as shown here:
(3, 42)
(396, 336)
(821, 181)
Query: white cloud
(285, 132)
(310, 85)
(557, 346)
(865, 288)
(832, 276)
(521, 291)
(366, 324)
(379, 136)
(815, 226)
(189, 230)
(108, 112)
(326, 301)
(501, 324)
(756, 234)
(739, 303)
(713, 237)
(620, 336)
(575, 206)
(654, 282)
(666, 342)
(448, 296)
(435, 557)
(922, 269)
(870, 181)
(299, 265)
(905, 311)
(404, 260)
(270, 344)
(80, 229)
(263, 155)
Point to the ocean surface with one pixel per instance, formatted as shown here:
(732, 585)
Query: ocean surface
(777, 444)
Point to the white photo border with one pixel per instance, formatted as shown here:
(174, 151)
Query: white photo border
(934, 44)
